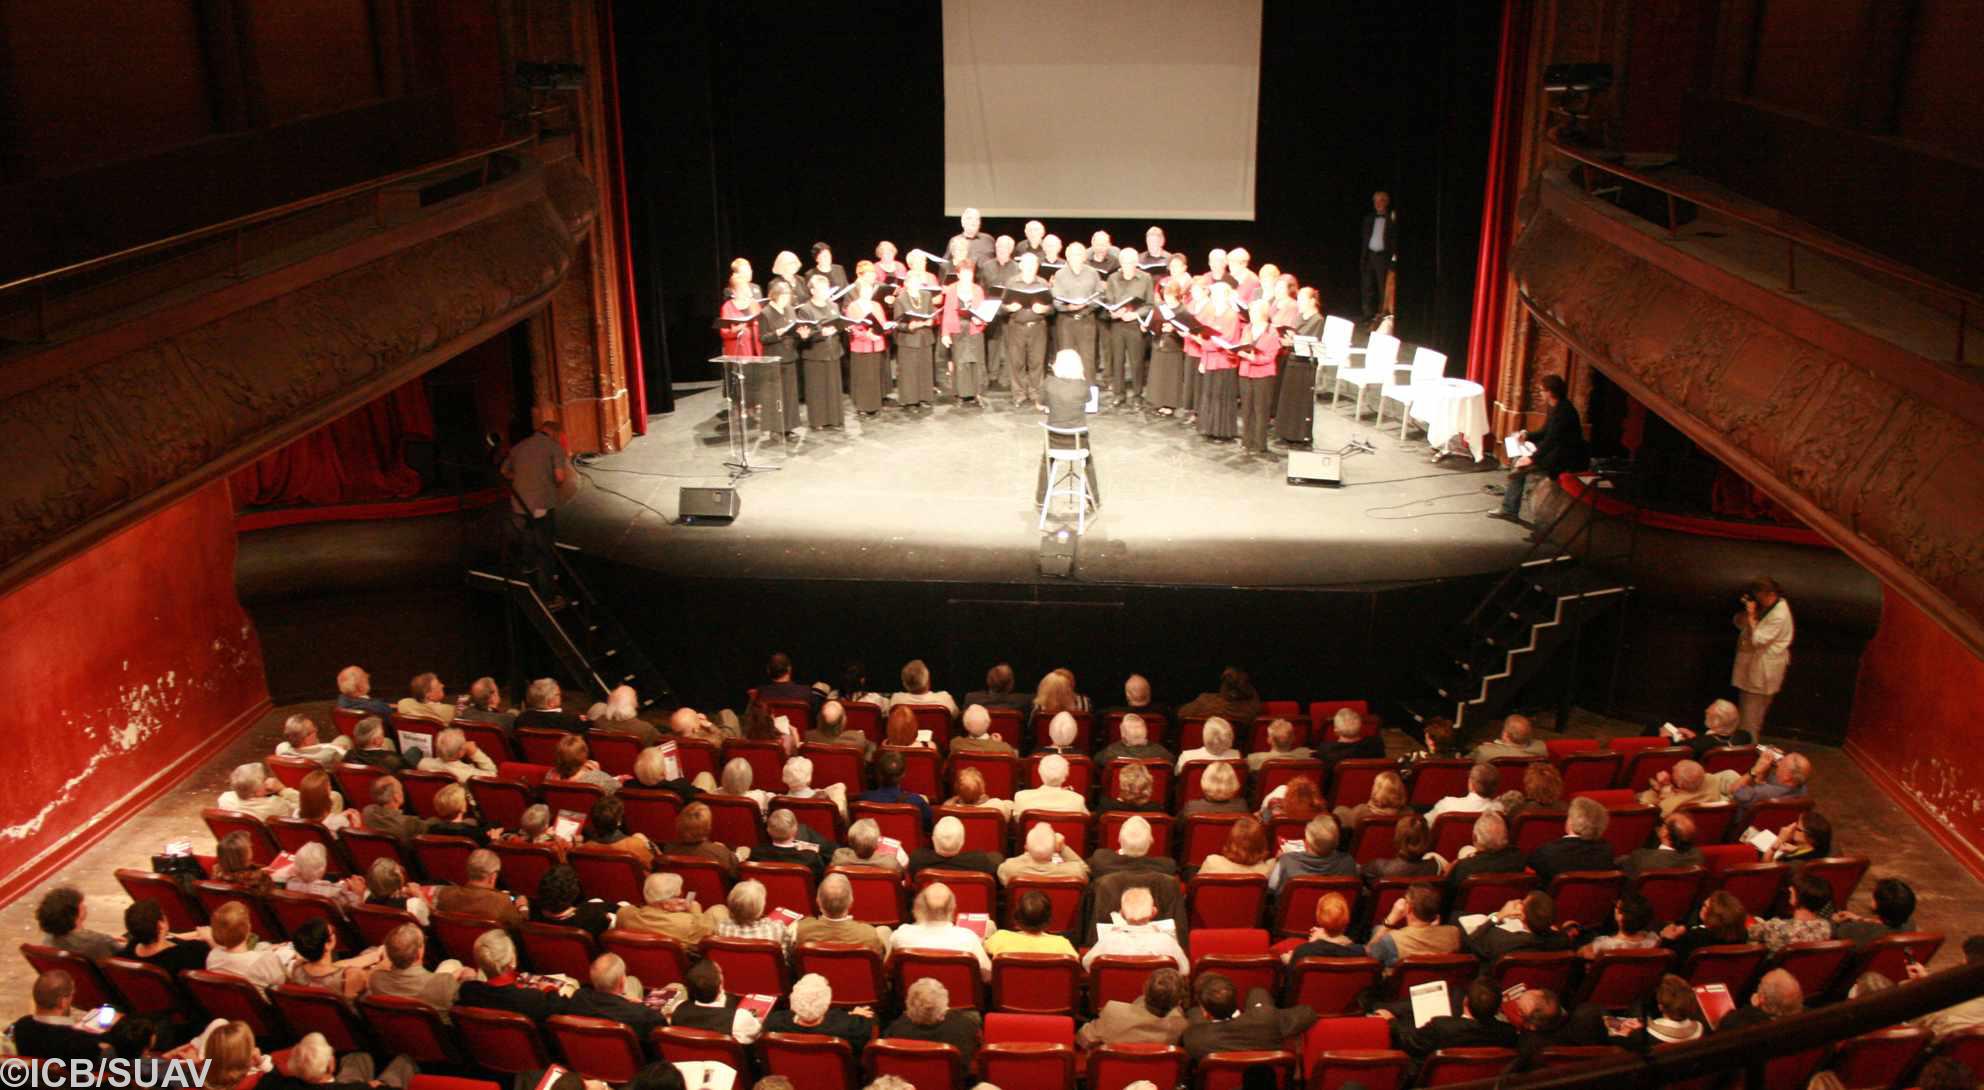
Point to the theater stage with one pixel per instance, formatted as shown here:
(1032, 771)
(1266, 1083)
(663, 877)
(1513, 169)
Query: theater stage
(947, 495)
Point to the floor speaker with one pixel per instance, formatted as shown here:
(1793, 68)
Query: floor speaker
(708, 506)
(1316, 468)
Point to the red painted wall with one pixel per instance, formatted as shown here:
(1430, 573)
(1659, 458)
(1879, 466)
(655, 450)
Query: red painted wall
(1911, 726)
(125, 668)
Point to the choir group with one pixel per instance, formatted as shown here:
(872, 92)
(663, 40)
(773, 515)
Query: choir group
(1215, 349)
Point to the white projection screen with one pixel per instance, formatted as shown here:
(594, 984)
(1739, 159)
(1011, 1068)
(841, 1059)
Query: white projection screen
(1101, 108)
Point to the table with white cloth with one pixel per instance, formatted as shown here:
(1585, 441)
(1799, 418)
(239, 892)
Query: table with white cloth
(1453, 408)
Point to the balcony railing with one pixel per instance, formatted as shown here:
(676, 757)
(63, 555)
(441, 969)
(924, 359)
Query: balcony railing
(1795, 234)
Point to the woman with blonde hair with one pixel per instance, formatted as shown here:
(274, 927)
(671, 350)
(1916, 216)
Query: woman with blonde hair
(1386, 803)
(1134, 786)
(231, 1055)
(1219, 785)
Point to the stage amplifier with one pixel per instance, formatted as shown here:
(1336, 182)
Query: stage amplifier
(1317, 468)
(707, 506)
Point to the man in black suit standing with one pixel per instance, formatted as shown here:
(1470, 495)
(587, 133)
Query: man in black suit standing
(1560, 448)
(1582, 847)
(1377, 251)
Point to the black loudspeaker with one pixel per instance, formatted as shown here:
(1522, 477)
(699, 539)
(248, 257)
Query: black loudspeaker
(708, 506)
(1316, 468)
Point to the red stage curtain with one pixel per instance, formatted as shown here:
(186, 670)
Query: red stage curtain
(1484, 342)
(359, 457)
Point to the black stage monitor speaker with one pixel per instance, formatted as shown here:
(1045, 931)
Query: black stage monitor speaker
(708, 506)
(1317, 468)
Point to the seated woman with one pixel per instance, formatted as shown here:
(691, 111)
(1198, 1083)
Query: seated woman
(307, 876)
(317, 964)
(573, 763)
(606, 827)
(1440, 743)
(451, 816)
(147, 940)
(1220, 787)
(798, 775)
(1632, 917)
(1677, 1019)
(1542, 791)
(1722, 923)
(1032, 914)
(651, 771)
(692, 837)
(1215, 744)
(1055, 694)
(317, 802)
(1296, 800)
(969, 784)
(386, 884)
(747, 916)
(736, 783)
(1245, 850)
(559, 899)
(234, 864)
(903, 733)
(759, 725)
(1329, 938)
(1133, 790)
(1387, 802)
(535, 828)
(1810, 919)
(1410, 859)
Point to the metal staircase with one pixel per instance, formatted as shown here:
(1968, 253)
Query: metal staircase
(589, 643)
(1543, 606)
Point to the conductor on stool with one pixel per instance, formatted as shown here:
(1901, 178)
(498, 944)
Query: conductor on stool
(1067, 408)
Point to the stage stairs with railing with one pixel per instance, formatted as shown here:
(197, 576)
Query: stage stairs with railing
(590, 644)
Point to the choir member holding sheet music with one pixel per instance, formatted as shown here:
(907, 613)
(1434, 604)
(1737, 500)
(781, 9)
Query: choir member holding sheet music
(1197, 297)
(867, 341)
(916, 317)
(1126, 302)
(819, 353)
(1219, 394)
(1034, 240)
(992, 276)
(1028, 300)
(1295, 410)
(1051, 258)
(1246, 284)
(737, 318)
(978, 244)
(778, 335)
(887, 268)
(1077, 291)
(1216, 269)
(1258, 361)
(1156, 257)
(823, 265)
(1165, 388)
(963, 332)
(1101, 254)
(785, 268)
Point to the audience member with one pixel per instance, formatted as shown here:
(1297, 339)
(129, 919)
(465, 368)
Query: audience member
(1033, 911)
(1481, 1026)
(318, 965)
(1413, 927)
(692, 837)
(935, 927)
(1137, 701)
(1245, 851)
(308, 866)
(1131, 853)
(1810, 919)
(1221, 1024)
(1321, 853)
(785, 845)
(667, 912)
(426, 698)
(606, 994)
(1235, 701)
(1412, 857)
(1046, 855)
(485, 705)
(300, 740)
(479, 897)
(561, 900)
(1135, 931)
(315, 801)
(927, 1016)
(1051, 794)
(1686, 784)
(1721, 921)
(1215, 744)
(459, 757)
(1632, 928)
(810, 1009)
(836, 922)
(1219, 791)
(1582, 847)
(1055, 694)
(978, 736)
(1778, 995)
(1518, 739)
(355, 693)
(1438, 741)
(544, 706)
(864, 841)
(1386, 803)
(1542, 792)
(371, 747)
(387, 887)
(234, 864)
(264, 966)
(916, 689)
(779, 685)
(969, 785)
(1062, 731)
(1133, 742)
(1809, 836)
(251, 790)
(1281, 747)
(1722, 725)
(1770, 778)
(1297, 800)
(406, 975)
(1154, 1018)
(61, 914)
(691, 725)
(747, 916)
(387, 813)
(1968, 1014)
(1675, 1020)
(1894, 912)
(901, 732)
(946, 850)
(1529, 923)
(1483, 780)
(147, 940)
(998, 691)
(1674, 847)
(830, 729)
(1348, 740)
(888, 786)
(1134, 789)
(51, 1031)
(1330, 937)
(572, 762)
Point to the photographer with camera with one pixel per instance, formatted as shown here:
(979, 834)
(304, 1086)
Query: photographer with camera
(1763, 650)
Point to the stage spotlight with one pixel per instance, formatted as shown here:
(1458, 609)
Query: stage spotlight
(1057, 554)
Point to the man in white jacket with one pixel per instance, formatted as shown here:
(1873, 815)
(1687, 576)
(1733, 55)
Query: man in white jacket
(1763, 650)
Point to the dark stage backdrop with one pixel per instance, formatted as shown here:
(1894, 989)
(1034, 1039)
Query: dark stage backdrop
(755, 128)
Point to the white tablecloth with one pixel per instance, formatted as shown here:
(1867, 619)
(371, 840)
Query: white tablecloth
(1453, 408)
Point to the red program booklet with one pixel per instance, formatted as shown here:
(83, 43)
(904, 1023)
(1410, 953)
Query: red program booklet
(1715, 1001)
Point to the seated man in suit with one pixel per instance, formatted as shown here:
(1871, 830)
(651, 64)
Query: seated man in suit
(544, 706)
(427, 698)
(946, 850)
(606, 995)
(836, 922)
(485, 705)
(1220, 1024)
(496, 959)
(1491, 853)
(927, 1016)
(778, 684)
(789, 845)
(407, 975)
(811, 1010)
(998, 691)
(1154, 1018)
(371, 746)
(1722, 725)
(1281, 747)
(1676, 848)
(1582, 847)
(1526, 924)
(864, 849)
(387, 814)
(1480, 1027)
(355, 692)
(1347, 739)
(51, 1032)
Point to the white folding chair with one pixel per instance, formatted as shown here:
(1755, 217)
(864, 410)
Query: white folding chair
(1336, 348)
(1380, 367)
(1428, 368)
(1067, 474)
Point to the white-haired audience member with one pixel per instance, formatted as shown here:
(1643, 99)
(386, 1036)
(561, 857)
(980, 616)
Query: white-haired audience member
(1722, 725)
(1134, 931)
(1348, 740)
(311, 862)
(1281, 746)
(1483, 781)
(916, 689)
(355, 692)
(1133, 742)
(668, 912)
(1052, 794)
(946, 850)
(251, 790)
(798, 776)
(458, 757)
(747, 916)
(1046, 855)
(1062, 730)
(864, 848)
(736, 782)
(312, 1063)
(1131, 853)
(300, 739)
(836, 922)
(1215, 744)
(927, 1016)
(810, 1009)
(1219, 791)
(935, 927)
(978, 736)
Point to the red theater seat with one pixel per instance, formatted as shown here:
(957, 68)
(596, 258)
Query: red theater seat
(1115, 1066)
(410, 1028)
(1042, 984)
(596, 1048)
(502, 1040)
(815, 1061)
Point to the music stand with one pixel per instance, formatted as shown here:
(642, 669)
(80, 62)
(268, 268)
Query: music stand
(755, 389)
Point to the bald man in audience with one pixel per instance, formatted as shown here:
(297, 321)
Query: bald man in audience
(1046, 855)
(1281, 747)
(836, 922)
(1675, 847)
(1686, 784)
(830, 729)
(935, 927)
(1137, 699)
(1347, 740)
(978, 736)
(1778, 995)
(1132, 853)
(1771, 778)
(946, 850)
(1518, 739)
(1135, 932)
